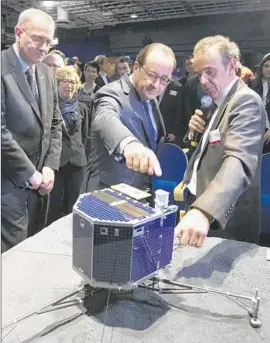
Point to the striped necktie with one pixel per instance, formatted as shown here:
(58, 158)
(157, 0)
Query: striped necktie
(32, 84)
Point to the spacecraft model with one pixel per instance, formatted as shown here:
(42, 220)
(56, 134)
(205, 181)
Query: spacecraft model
(119, 242)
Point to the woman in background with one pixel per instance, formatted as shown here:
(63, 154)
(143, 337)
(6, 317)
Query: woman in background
(69, 178)
(261, 85)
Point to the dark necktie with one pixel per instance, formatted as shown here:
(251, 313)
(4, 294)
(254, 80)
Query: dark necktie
(32, 84)
(151, 132)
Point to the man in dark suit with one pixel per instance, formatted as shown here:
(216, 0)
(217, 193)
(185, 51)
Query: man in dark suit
(194, 93)
(102, 78)
(172, 105)
(128, 124)
(223, 176)
(31, 123)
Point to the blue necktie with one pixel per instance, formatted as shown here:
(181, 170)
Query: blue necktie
(149, 125)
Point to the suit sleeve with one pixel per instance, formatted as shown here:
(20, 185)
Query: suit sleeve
(15, 163)
(242, 148)
(52, 159)
(106, 121)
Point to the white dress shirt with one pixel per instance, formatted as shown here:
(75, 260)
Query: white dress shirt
(192, 186)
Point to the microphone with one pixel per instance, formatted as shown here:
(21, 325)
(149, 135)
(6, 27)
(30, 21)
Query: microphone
(206, 102)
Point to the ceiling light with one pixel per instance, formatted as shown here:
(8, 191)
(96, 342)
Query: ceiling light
(133, 16)
(48, 3)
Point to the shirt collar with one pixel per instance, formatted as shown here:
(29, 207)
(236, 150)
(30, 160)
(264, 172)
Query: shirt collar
(24, 65)
(226, 91)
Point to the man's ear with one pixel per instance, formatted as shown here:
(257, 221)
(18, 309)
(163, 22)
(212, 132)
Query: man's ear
(135, 67)
(232, 65)
(17, 32)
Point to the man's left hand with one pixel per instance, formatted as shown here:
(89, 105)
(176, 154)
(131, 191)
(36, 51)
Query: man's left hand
(48, 179)
(193, 229)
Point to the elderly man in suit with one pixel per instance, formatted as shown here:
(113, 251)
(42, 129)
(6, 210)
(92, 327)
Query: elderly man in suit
(127, 124)
(31, 123)
(223, 176)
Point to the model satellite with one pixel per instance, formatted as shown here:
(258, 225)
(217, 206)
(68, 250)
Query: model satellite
(118, 242)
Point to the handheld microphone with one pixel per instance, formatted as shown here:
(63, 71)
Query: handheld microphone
(206, 102)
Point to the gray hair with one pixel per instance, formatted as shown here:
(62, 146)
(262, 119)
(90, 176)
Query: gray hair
(223, 45)
(33, 14)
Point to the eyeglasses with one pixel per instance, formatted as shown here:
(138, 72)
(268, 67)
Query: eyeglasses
(154, 77)
(39, 41)
(66, 82)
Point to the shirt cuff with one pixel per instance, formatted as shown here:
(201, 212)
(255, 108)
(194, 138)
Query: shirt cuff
(125, 142)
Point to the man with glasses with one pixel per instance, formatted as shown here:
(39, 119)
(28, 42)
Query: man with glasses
(31, 127)
(127, 124)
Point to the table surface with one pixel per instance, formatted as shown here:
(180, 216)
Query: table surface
(39, 270)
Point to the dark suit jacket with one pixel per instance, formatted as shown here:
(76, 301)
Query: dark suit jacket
(31, 138)
(228, 174)
(173, 110)
(117, 114)
(73, 145)
(100, 82)
(194, 93)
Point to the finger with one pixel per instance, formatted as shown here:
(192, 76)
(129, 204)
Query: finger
(200, 241)
(144, 165)
(46, 178)
(129, 161)
(136, 163)
(193, 240)
(185, 236)
(154, 163)
(196, 127)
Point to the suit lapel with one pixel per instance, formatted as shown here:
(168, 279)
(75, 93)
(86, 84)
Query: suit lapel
(21, 81)
(238, 84)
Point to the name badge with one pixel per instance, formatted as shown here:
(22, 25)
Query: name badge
(172, 92)
(214, 136)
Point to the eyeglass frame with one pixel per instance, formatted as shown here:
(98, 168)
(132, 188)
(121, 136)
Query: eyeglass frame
(66, 82)
(164, 81)
(35, 40)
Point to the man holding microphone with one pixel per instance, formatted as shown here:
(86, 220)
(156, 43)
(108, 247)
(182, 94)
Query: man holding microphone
(223, 175)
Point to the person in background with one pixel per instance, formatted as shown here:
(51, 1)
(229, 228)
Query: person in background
(246, 75)
(54, 61)
(223, 174)
(102, 78)
(172, 105)
(76, 63)
(86, 94)
(122, 66)
(89, 88)
(189, 70)
(261, 85)
(68, 179)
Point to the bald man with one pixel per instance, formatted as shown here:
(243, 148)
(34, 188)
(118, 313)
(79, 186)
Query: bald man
(31, 125)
